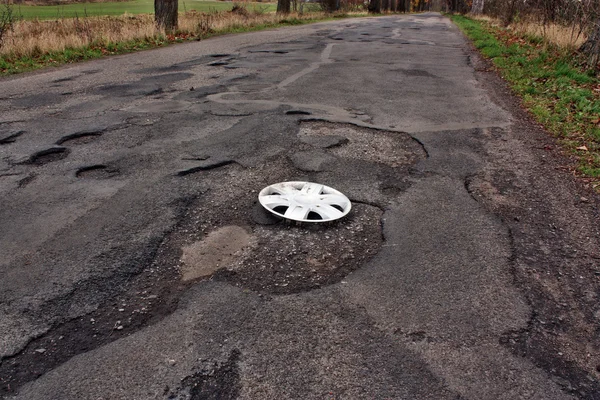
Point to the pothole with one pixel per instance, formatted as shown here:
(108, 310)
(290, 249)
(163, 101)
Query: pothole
(205, 167)
(213, 381)
(289, 258)
(79, 138)
(218, 63)
(48, 155)
(298, 112)
(391, 148)
(325, 141)
(96, 172)
(11, 138)
(219, 248)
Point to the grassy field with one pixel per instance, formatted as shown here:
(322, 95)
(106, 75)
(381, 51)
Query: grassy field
(125, 7)
(554, 84)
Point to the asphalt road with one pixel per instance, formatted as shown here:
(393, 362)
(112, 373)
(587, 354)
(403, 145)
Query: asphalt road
(136, 264)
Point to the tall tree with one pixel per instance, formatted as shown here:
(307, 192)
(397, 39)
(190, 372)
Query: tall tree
(375, 6)
(385, 5)
(283, 6)
(591, 47)
(477, 7)
(165, 14)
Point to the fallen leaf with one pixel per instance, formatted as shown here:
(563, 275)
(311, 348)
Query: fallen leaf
(584, 148)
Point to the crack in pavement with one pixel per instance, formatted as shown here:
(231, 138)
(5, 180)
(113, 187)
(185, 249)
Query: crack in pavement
(409, 297)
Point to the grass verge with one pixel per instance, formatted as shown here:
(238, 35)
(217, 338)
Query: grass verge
(36, 44)
(553, 83)
(134, 7)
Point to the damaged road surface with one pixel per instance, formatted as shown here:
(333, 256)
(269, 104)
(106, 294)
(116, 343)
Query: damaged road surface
(137, 262)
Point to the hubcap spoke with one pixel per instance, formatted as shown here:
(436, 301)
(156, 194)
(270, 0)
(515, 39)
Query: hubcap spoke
(274, 200)
(328, 212)
(296, 212)
(312, 188)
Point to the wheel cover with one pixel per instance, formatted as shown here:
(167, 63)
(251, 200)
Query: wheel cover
(304, 201)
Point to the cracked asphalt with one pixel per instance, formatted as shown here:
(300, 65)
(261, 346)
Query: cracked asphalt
(137, 263)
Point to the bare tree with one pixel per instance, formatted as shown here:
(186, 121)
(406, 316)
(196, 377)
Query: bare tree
(283, 6)
(591, 47)
(375, 6)
(404, 6)
(165, 14)
(477, 7)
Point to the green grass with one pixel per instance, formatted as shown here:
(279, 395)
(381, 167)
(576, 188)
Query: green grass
(120, 8)
(554, 85)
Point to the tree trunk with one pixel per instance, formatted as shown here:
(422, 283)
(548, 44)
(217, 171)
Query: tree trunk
(591, 47)
(330, 5)
(385, 5)
(375, 6)
(283, 6)
(393, 6)
(477, 7)
(165, 14)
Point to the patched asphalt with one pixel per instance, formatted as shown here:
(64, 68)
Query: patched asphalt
(137, 264)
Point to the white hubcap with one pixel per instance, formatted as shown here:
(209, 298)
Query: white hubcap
(304, 201)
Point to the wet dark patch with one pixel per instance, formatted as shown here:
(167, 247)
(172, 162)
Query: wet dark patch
(217, 382)
(219, 55)
(11, 138)
(298, 112)
(79, 138)
(96, 172)
(91, 71)
(49, 155)
(205, 167)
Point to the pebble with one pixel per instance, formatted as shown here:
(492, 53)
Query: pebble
(41, 351)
